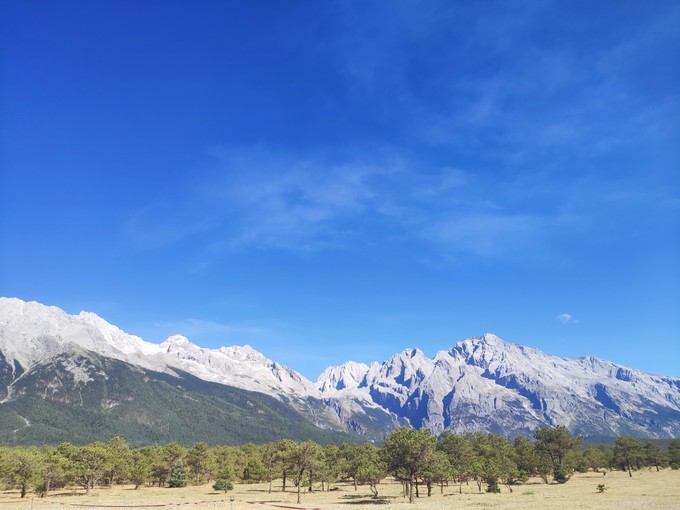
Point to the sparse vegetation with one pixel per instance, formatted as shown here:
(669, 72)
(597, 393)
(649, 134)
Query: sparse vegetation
(414, 459)
(647, 490)
(222, 485)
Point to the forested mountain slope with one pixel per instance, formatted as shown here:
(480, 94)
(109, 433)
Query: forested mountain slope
(78, 396)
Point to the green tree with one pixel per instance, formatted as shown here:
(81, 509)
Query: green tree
(284, 451)
(90, 464)
(225, 460)
(269, 458)
(178, 475)
(158, 464)
(201, 462)
(140, 466)
(55, 468)
(372, 470)
(170, 455)
(254, 471)
(437, 471)
(305, 457)
(554, 445)
(461, 456)
(407, 452)
(25, 466)
(628, 453)
(353, 457)
(497, 462)
(653, 456)
(119, 462)
(526, 457)
(222, 485)
(66, 453)
(331, 468)
(596, 458)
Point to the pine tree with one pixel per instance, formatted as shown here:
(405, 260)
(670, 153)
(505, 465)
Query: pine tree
(407, 452)
(178, 476)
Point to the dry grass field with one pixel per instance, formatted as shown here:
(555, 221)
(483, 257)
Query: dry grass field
(646, 490)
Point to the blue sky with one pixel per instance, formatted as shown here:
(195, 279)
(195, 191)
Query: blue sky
(342, 180)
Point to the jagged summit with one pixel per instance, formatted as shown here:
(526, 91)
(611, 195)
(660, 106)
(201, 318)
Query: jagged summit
(348, 375)
(487, 383)
(481, 383)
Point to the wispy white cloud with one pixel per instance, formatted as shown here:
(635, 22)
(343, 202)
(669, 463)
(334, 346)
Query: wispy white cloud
(530, 116)
(497, 236)
(524, 100)
(566, 318)
(259, 199)
(284, 203)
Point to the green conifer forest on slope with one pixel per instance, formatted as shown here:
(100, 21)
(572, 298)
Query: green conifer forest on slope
(50, 406)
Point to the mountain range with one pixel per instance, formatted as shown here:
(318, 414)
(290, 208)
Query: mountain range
(67, 375)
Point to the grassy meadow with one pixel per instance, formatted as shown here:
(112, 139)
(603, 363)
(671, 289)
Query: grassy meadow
(647, 489)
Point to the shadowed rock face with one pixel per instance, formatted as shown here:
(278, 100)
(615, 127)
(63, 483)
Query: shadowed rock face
(482, 383)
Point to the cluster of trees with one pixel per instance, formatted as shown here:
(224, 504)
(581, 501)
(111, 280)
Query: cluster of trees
(415, 458)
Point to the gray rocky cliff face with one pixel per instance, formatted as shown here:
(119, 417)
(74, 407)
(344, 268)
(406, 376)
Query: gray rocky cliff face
(491, 385)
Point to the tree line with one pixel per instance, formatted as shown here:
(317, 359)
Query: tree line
(415, 458)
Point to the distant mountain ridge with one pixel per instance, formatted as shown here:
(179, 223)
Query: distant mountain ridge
(481, 383)
(489, 384)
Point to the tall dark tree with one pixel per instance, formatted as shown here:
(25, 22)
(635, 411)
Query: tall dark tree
(437, 471)
(526, 457)
(458, 450)
(628, 453)
(496, 456)
(178, 475)
(353, 458)
(140, 466)
(284, 451)
(120, 460)
(654, 456)
(201, 463)
(332, 466)
(90, 464)
(407, 452)
(555, 444)
(305, 457)
(372, 469)
(25, 465)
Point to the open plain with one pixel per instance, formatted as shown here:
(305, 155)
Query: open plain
(647, 489)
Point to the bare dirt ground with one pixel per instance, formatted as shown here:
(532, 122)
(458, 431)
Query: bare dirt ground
(645, 490)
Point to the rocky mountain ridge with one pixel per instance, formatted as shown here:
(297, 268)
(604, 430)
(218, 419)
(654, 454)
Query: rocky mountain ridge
(490, 384)
(481, 383)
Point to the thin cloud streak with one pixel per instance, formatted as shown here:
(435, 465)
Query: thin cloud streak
(259, 200)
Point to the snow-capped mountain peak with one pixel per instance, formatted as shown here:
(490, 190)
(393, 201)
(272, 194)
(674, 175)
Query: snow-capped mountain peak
(348, 375)
(481, 383)
(177, 341)
(32, 332)
(486, 383)
(243, 353)
(406, 369)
